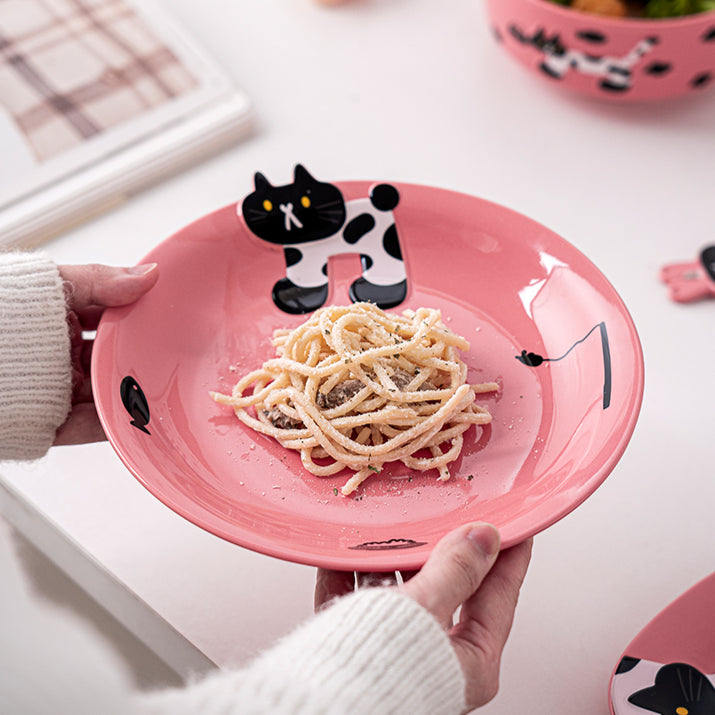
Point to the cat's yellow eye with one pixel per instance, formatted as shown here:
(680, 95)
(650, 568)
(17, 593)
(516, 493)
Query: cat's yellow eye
(268, 205)
(682, 711)
(304, 202)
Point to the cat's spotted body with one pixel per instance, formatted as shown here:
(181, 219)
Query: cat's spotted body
(615, 74)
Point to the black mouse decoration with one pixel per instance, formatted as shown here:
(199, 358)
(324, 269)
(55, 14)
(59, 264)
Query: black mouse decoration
(531, 359)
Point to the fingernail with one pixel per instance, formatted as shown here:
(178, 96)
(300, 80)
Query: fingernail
(142, 269)
(486, 537)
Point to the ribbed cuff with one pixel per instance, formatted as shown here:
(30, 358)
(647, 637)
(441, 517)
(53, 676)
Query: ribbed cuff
(35, 363)
(376, 651)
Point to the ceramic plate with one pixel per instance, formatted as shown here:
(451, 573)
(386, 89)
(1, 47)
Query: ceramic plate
(542, 321)
(669, 667)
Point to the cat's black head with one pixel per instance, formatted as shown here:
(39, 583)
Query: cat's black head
(550, 45)
(679, 688)
(306, 210)
(707, 258)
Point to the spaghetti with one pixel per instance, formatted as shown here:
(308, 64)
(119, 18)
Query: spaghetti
(356, 387)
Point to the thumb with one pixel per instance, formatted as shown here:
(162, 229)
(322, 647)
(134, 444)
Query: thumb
(82, 426)
(106, 286)
(454, 570)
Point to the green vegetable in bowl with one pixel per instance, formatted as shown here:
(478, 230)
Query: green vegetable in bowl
(640, 8)
(673, 8)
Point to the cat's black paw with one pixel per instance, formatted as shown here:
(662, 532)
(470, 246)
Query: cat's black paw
(550, 72)
(612, 87)
(291, 298)
(383, 296)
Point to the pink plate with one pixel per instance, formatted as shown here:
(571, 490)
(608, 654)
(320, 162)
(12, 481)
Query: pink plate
(669, 667)
(541, 319)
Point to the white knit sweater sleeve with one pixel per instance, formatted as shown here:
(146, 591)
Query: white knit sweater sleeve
(35, 365)
(373, 652)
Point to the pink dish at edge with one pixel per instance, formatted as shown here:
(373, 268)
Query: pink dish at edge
(670, 665)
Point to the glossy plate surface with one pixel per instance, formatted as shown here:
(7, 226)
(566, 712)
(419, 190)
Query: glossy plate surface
(541, 319)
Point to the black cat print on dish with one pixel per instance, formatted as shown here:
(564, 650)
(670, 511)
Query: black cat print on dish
(667, 689)
(615, 74)
(312, 221)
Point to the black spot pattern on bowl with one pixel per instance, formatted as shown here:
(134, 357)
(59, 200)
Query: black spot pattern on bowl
(594, 36)
(701, 80)
(658, 69)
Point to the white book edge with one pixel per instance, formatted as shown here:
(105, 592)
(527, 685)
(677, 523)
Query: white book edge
(112, 179)
(133, 612)
(131, 156)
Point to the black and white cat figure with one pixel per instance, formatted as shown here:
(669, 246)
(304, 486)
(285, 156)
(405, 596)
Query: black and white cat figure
(615, 74)
(312, 221)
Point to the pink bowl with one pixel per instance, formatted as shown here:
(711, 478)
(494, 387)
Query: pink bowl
(615, 59)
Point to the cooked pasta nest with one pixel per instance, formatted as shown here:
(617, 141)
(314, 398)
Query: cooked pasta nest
(355, 387)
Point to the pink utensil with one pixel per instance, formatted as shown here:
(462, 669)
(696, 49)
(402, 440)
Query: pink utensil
(691, 281)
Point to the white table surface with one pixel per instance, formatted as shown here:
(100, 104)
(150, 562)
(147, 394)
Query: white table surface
(418, 91)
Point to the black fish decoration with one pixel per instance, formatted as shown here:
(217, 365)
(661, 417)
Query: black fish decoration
(389, 544)
(135, 403)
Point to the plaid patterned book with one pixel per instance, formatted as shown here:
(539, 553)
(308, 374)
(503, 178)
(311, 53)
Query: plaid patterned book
(99, 98)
